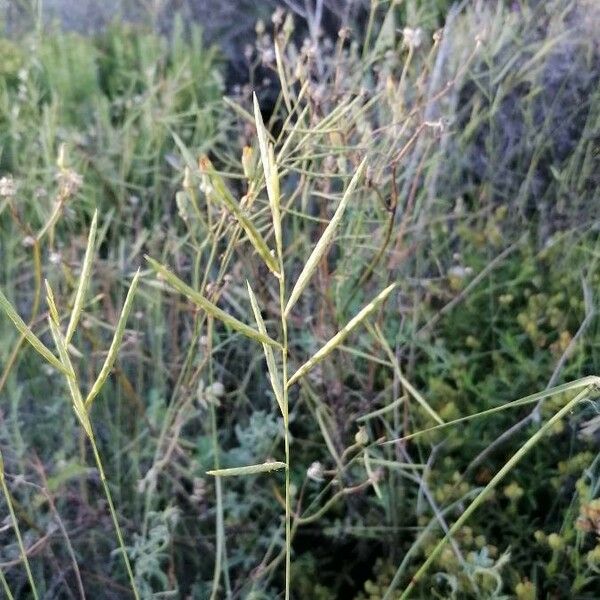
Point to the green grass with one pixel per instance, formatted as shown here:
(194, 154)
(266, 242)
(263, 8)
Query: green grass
(343, 346)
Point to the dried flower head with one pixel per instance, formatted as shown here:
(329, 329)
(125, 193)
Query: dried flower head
(315, 471)
(7, 187)
(413, 38)
(69, 182)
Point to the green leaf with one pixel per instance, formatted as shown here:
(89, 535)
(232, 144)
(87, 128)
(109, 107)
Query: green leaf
(270, 357)
(267, 467)
(208, 306)
(22, 328)
(267, 158)
(325, 241)
(341, 335)
(84, 280)
(115, 344)
(226, 197)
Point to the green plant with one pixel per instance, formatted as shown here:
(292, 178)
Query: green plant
(280, 381)
(476, 201)
(80, 405)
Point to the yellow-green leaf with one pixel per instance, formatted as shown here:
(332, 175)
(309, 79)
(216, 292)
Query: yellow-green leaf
(270, 357)
(267, 157)
(248, 470)
(115, 344)
(339, 337)
(84, 280)
(226, 197)
(208, 306)
(76, 398)
(324, 242)
(22, 328)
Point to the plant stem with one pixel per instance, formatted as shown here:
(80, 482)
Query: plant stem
(288, 506)
(13, 517)
(113, 514)
(5, 586)
(220, 527)
(515, 458)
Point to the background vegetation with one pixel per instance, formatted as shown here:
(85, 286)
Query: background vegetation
(479, 125)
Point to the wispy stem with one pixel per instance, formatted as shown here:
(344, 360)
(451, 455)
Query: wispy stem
(113, 514)
(15, 523)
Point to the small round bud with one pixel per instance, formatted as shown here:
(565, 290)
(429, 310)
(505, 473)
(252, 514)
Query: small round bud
(361, 437)
(315, 471)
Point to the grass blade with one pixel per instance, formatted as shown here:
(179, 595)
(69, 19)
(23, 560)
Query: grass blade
(226, 197)
(35, 342)
(476, 502)
(267, 158)
(341, 335)
(325, 241)
(267, 467)
(270, 357)
(17, 531)
(185, 153)
(76, 398)
(115, 344)
(531, 399)
(84, 280)
(208, 306)
(51, 303)
(411, 389)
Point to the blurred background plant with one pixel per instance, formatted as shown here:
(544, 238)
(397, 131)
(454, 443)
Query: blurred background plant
(480, 123)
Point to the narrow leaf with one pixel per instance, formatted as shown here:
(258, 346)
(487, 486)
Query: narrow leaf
(51, 303)
(84, 280)
(24, 330)
(407, 385)
(271, 365)
(187, 155)
(275, 201)
(248, 470)
(76, 398)
(208, 306)
(324, 242)
(267, 157)
(341, 335)
(226, 197)
(115, 344)
(261, 132)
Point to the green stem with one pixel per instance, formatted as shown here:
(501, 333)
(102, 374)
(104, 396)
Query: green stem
(288, 503)
(5, 586)
(220, 552)
(525, 448)
(113, 514)
(18, 534)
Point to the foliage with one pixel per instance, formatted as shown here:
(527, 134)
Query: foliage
(456, 171)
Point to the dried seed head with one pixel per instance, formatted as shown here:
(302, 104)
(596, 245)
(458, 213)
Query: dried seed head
(199, 490)
(248, 162)
(277, 17)
(7, 187)
(413, 38)
(344, 33)
(315, 471)
(361, 437)
(288, 25)
(217, 389)
(69, 182)
(61, 161)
